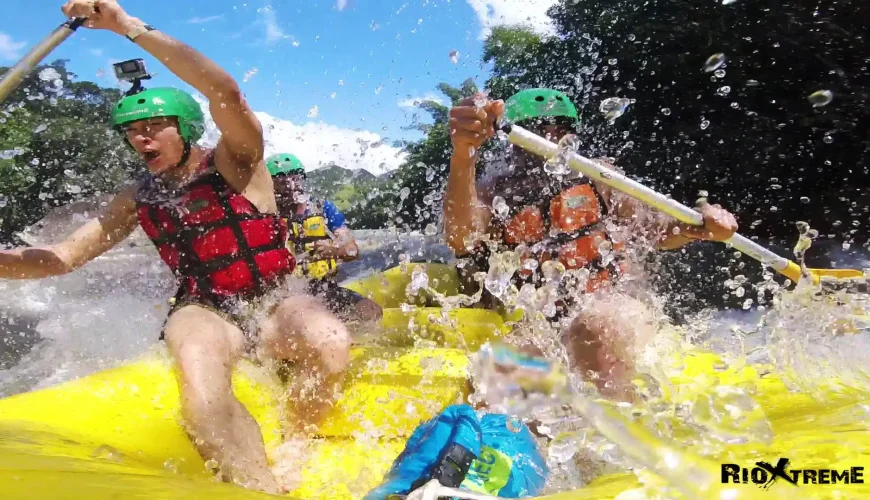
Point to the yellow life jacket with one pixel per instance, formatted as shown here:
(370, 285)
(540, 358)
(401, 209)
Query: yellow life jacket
(300, 239)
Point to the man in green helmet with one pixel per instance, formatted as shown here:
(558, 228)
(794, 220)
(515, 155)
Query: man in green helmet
(213, 217)
(567, 231)
(318, 237)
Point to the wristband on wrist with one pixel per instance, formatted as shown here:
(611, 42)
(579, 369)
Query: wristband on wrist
(139, 30)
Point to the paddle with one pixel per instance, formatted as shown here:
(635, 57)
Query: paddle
(14, 76)
(540, 146)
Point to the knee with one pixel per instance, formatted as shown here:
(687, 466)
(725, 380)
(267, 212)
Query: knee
(334, 350)
(305, 329)
(369, 310)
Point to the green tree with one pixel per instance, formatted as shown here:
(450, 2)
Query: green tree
(745, 131)
(422, 176)
(56, 147)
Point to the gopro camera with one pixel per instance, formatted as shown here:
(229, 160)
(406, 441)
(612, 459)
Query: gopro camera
(131, 70)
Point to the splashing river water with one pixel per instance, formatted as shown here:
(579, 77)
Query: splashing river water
(111, 310)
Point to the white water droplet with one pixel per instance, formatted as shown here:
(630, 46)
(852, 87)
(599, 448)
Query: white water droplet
(171, 465)
(723, 91)
(563, 448)
(613, 108)
(249, 74)
(74, 189)
(419, 280)
(40, 128)
(666, 111)
(332, 95)
(821, 98)
(500, 207)
(3, 201)
(714, 62)
(728, 2)
(720, 73)
(612, 61)
(313, 111)
(805, 199)
(430, 174)
(827, 139)
(430, 229)
(454, 56)
(404, 193)
(705, 124)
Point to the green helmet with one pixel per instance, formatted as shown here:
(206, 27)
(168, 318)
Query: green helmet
(284, 163)
(539, 103)
(162, 102)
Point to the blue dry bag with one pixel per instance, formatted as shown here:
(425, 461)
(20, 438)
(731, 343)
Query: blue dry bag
(463, 450)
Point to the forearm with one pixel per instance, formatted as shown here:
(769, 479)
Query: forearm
(462, 217)
(186, 63)
(32, 263)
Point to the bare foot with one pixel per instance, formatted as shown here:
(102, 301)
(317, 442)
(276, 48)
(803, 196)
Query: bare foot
(289, 460)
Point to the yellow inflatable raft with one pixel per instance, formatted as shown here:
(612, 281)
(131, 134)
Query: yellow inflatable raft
(116, 433)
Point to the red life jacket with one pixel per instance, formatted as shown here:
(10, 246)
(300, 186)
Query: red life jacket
(567, 226)
(215, 241)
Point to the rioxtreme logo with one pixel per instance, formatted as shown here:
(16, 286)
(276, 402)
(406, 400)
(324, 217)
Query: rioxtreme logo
(764, 474)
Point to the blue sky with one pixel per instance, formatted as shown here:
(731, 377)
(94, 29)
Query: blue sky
(356, 60)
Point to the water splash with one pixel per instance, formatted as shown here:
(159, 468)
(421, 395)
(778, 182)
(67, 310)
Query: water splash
(714, 62)
(821, 98)
(613, 108)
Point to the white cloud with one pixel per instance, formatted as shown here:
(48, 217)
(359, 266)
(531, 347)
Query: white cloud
(9, 48)
(412, 102)
(96, 52)
(319, 144)
(274, 33)
(531, 13)
(203, 20)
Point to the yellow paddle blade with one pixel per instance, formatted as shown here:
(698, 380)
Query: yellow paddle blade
(837, 273)
(794, 272)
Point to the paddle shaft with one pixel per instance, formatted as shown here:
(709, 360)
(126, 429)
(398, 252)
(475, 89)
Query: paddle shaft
(13, 78)
(538, 145)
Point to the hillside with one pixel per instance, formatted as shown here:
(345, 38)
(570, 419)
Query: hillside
(346, 188)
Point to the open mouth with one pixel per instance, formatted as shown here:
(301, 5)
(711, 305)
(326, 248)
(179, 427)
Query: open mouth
(150, 156)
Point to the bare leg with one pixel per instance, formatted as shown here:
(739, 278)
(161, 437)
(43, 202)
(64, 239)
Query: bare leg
(205, 348)
(604, 339)
(302, 330)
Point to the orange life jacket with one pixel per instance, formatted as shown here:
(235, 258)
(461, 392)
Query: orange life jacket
(213, 238)
(568, 227)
